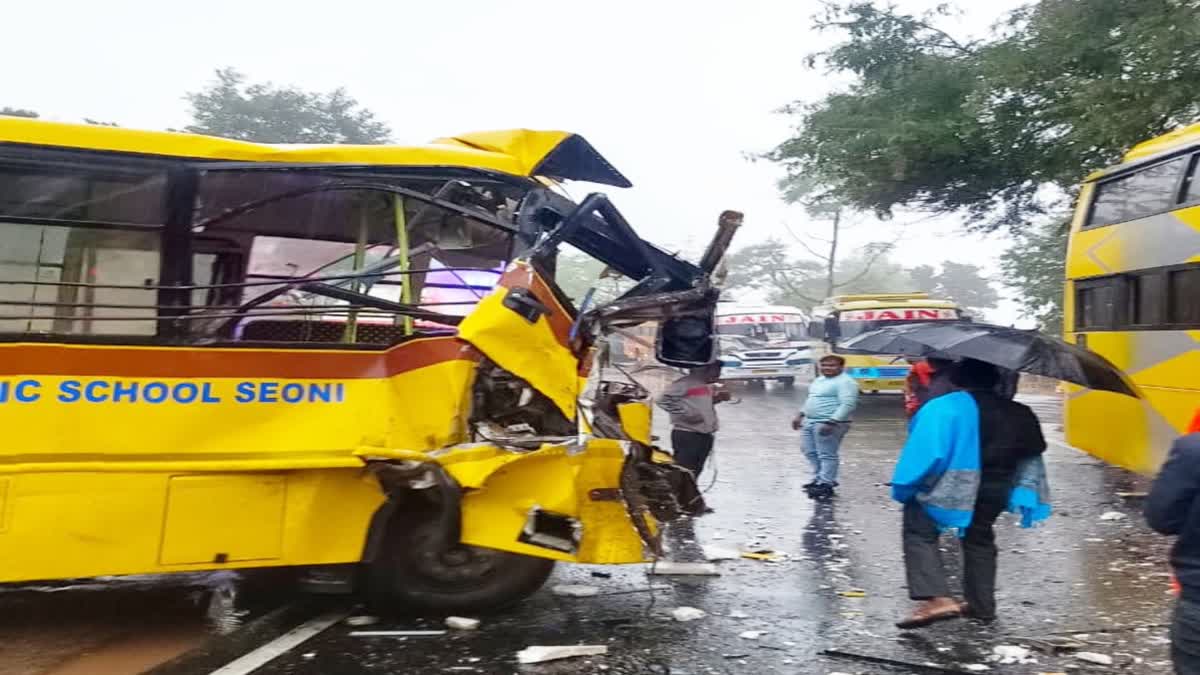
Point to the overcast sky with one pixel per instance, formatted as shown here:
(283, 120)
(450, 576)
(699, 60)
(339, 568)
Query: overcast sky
(674, 93)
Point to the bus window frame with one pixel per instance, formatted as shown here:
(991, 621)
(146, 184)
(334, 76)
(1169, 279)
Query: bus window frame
(1192, 156)
(1123, 311)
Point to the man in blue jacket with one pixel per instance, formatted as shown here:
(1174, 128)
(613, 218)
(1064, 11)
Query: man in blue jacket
(1172, 508)
(970, 455)
(824, 421)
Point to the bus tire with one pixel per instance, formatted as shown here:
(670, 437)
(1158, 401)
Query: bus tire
(411, 576)
(788, 382)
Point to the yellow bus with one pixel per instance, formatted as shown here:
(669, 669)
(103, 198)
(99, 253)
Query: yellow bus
(217, 354)
(856, 314)
(1133, 295)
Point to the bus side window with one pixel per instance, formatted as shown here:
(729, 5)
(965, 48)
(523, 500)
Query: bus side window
(1096, 303)
(1145, 192)
(69, 274)
(1183, 291)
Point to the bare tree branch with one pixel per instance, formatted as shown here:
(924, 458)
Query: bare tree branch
(876, 253)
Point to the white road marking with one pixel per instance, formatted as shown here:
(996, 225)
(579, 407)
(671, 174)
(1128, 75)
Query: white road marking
(251, 661)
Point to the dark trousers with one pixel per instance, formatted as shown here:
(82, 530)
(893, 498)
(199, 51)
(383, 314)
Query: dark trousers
(691, 449)
(1185, 638)
(923, 561)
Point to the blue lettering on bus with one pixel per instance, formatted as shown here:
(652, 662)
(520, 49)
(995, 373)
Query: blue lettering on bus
(94, 393)
(292, 392)
(245, 392)
(22, 394)
(123, 392)
(185, 392)
(155, 392)
(68, 391)
(189, 392)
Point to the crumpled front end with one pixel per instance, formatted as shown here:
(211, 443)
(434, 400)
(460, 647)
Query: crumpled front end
(558, 459)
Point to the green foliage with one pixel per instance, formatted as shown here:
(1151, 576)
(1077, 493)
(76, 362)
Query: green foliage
(577, 272)
(1060, 88)
(266, 113)
(786, 279)
(1035, 264)
(960, 282)
(18, 112)
(769, 267)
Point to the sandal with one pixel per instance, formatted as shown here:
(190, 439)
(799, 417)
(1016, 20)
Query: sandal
(923, 617)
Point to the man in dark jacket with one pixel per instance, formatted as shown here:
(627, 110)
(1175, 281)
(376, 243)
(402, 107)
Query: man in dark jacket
(1009, 432)
(1173, 508)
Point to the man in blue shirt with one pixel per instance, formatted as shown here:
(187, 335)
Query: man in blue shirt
(824, 421)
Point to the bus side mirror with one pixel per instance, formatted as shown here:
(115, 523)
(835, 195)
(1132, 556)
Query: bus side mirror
(833, 331)
(686, 341)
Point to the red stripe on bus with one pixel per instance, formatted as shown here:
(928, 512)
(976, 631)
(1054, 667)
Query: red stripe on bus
(183, 362)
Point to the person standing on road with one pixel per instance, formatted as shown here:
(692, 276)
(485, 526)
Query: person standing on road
(691, 401)
(824, 421)
(1171, 510)
(970, 455)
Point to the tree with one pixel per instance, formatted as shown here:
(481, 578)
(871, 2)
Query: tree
(18, 112)
(785, 279)
(1035, 264)
(825, 205)
(577, 272)
(1059, 89)
(769, 267)
(266, 113)
(960, 282)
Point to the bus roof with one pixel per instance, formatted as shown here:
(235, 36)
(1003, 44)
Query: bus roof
(729, 308)
(886, 301)
(517, 152)
(1147, 151)
(1172, 140)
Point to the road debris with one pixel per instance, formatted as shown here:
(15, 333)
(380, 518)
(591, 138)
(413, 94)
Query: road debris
(672, 568)
(736, 614)
(716, 553)
(541, 654)
(752, 634)
(1113, 515)
(764, 556)
(853, 593)
(976, 667)
(362, 621)
(1011, 654)
(688, 613)
(909, 666)
(575, 591)
(396, 633)
(1093, 657)
(461, 623)
(1054, 645)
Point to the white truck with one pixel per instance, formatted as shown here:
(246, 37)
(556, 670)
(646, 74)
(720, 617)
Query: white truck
(764, 342)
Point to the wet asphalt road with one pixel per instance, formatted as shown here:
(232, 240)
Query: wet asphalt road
(1077, 573)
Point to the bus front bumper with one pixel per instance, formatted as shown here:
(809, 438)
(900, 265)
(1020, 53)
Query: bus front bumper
(749, 373)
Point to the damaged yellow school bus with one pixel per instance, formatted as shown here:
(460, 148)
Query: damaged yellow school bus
(217, 354)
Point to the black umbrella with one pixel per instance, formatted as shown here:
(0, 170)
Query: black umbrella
(1027, 351)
